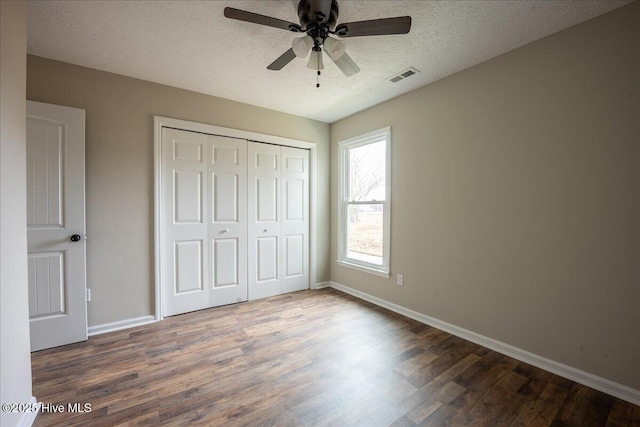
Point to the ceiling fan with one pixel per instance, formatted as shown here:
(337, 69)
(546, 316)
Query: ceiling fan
(318, 20)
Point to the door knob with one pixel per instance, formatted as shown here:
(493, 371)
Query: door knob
(226, 230)
(75, 238)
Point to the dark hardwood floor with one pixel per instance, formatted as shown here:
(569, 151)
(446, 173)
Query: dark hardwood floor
(308, 358)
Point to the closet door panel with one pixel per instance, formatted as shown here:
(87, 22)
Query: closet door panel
(265, 245)
(228, 225)
(226, 262)
(295, 221)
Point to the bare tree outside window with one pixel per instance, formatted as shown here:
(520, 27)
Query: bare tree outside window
(366, 173)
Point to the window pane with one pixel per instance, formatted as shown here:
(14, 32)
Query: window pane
(364, 233)
(366, 172)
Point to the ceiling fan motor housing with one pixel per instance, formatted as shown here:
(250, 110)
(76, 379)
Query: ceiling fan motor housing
(308, 17)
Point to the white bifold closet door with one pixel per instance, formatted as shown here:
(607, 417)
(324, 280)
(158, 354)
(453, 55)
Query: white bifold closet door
(278, 220)
(234, 218)
(204, 220)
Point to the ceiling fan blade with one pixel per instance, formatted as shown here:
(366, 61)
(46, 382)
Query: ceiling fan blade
(375, 27)
(346, 64)
(243, 15)
(322, 7)
(284, 59)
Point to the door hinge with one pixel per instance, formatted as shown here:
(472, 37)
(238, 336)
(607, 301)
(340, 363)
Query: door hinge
(88, 295)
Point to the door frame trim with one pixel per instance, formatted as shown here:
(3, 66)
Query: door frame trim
(159, 122)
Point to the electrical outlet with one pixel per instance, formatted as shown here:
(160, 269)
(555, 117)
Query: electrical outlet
(400, 279)
(88, 295)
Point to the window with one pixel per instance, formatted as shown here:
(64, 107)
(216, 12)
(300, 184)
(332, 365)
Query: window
(364, 216)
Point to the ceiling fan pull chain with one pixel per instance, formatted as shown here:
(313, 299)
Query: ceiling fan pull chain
(318, 76)
(318, 79)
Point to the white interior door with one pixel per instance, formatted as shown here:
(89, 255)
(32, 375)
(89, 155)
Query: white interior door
(265, 243)
(203, 218)
(295, 219)
(56, 225)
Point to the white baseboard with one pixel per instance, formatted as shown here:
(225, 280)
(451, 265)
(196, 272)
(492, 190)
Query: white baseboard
(585, 378)
(28, 418)
(321, 285)
(119, 325)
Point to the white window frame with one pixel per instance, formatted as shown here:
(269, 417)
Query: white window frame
(343, 174)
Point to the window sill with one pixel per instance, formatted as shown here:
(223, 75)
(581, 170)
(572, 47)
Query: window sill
(374, 271)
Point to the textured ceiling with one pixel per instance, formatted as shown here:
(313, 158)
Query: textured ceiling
(189, 44)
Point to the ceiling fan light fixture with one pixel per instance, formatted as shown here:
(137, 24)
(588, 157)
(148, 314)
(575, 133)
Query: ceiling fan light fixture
(334, 48)
(302, 46)
(315, 61)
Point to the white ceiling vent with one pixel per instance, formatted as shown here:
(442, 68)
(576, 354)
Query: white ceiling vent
(403, 74)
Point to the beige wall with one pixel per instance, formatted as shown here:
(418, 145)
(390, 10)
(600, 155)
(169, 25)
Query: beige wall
(119, 171)
(516, 197)
(15, 369)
